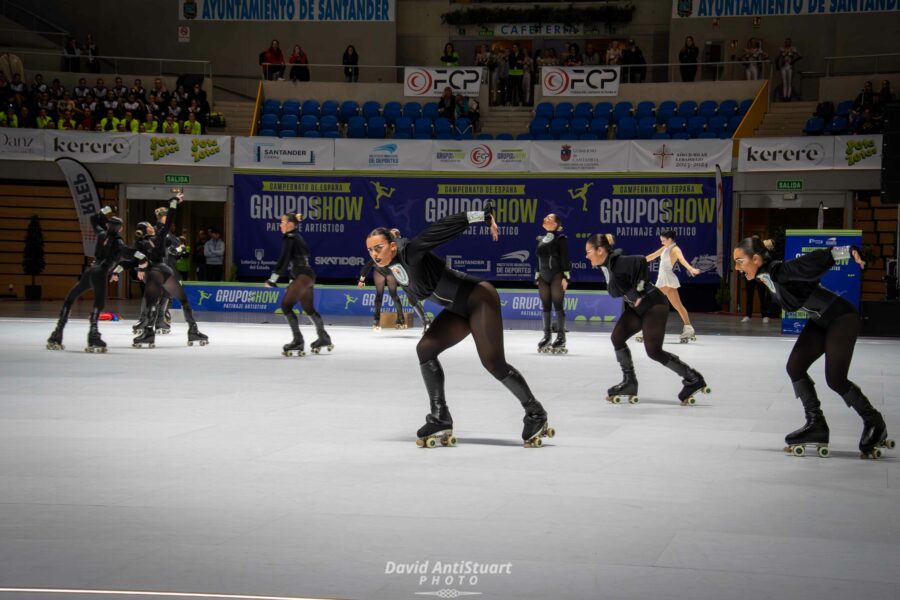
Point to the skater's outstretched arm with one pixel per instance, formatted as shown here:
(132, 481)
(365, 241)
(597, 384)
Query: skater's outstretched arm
(809, 267)
(446, 229)
(364, 272)
(655, 255)
(679, 256)
(99, 221)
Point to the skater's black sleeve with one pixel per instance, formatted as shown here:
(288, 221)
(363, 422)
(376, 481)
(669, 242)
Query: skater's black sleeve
(364, 272)
(564, 259)
(441, 232)
(809, 267)
(98, 222)
(638, 275)
(284, 261)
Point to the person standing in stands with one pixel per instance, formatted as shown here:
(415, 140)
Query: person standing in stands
(634, 62)
(92, 54)
(273, 62)
(199, 257)
(350, 59)
(516, 73)
(214, 251)
(688, 59)
(787, 56)
(300, 70)
(450, 58)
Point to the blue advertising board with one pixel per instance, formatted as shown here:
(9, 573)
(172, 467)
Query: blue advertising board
(352, 301)
(340, 211)
(844, 278)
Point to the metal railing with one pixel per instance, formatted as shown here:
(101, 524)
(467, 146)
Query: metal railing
(110, 65)
(20, 37)
(862, 64)
(30, 20)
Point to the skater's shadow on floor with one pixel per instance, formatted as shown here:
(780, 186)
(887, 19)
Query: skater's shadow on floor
(489, 442)
(833, 455)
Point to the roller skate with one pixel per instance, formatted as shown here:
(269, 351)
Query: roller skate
(544, 345)
(815, 431)
(146, 339)
(94, 342)
(691, 387)
(536, 428)
(376, 324)
(436, 429)
(324, 341)
(194, 335)
(295, 348)
(401, 321)
(687, 335)
(874, 436)
(140, 325)
(54, 342)
(626, 390)
(559, 345)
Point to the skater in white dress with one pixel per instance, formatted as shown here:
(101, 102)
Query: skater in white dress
(667, 281)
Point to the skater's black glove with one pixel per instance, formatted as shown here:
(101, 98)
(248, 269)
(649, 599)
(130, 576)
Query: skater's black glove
(489, 208)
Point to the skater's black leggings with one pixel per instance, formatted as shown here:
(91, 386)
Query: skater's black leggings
(836, 342)
(157, 281)
(551, 293)
(94, 279)
(301, 290)
(653, 325)
(380, 280)
(484, 323)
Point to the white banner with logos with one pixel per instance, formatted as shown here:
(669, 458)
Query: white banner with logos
(857, 151)
(530, 30)
(382, 155)
(314, 154)
(480, 156)
(560, 156)
(287, 10)
(580, 81)
(92, 146)
(429, 82)
(21, 144)
(714, 9)
(786, 154)
(679, 156)
(193, 150)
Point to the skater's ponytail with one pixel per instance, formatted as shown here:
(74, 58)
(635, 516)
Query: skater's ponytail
(382, 232)
(753, 245)
(141, 232)
(769, 244)
(294, 218)
(669, 234)
(602, 240)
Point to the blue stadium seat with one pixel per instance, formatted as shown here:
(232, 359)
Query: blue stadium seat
(441, 125)
(330, 108)
(521, 136)
(744, 106)
(644, 109)
(646, 127)
(287, 133)
(289, 122)
(413, 110)
(267, 133)
(544, 110)
(312, 133)
(696, 126)
(626, 129)
(728, 108)
(271, 107)
(402, 135)
(370, 109)
(734, 122)
(844, 108)
(422, 134)
(666, 111)
(392, 113)
(430, 110)
(687, 109)
(708, 135)
(579, 125)
(308, 123)
(376, 127)
(328, 123)
(290, 107)
(559, 126)
(349, 109)
(330, 134)
(660, 135)
(423, 126)
(356, 128)
(708, 109)
(814, 126)
(725, 134)
(603, 110)
(485, 136)
(538, 126)
(681, 135)
(311, 107)
(587, 137)
(837, 126)
(717, 124)
(464, 129)
(622, 109)
(569, 136)
(584, 110)
(268, 121)
(676, 125)
(544, 137)
(600, 127)
(403, 125)
(443, 135)
(564, 110)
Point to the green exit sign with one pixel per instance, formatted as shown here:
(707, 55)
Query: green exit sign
(179, 179)
(790, 185)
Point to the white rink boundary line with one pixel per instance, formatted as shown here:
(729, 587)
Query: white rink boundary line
(5, 590)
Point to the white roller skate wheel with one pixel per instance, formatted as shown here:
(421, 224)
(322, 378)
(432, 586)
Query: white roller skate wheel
(430, 443)
(707, 390)
(889, 444)
(633, 400)
(798, 450)
(823, 451)
(551, 432)
(616, 400)
(535, 442)
(451, 441)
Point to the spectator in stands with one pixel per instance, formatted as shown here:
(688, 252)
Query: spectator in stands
(81, 90)
(119, 88)
(66, 104)
(273, 62)
(137, 88)
(573, 58)
(868, 123)
(467, 108)
(4, 90)
(183, 264)
(9, 118)
(174, 108)
(760, 57)
(613, 53)
(89, 106)
(72, 58)
(57, 91)
(450, 57)
(687, 56)
(91, 53)
(43, 101)
(516, 74)
(110, 122)
(44, 121)
(199, 258)
(553, 59)
(154, 106)
(18, 94)
(129, 123)
(192, 126)
(885, 94)
(591, 56)
(38, 86)
(111, 103)
(527, 76)
(99, 90)
(447, 104)
(84, 121)
(170, 126)
(634, 63)
(159, 88)
(181, 95)
(150, 124)
(787, 56)
(865, 100)
(300, 70)
(503, 77)
(482, 55)
(25, 118)
(350, 59)
(67, 122)
(199, 94)
(214, 251)
(195, 109)
(133, 105)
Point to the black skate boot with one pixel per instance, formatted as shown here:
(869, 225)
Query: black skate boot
(544, 344)
(142, 319)
(815, 431)
(691, 380)
(323, 340)
(401, 319)
(559, 344)
(54, 342)
(627, 389)
(94, 342)
(147, 337)
(295, 347)
(194, 335)
(420, 310)
(438, 423)
(535, 419)
(874, 436)
(162, 326)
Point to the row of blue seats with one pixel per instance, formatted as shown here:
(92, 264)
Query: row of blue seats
(568, 136)
(629, 128)
(818, 126)
(344, 111)
(665, 111)
(374, 127)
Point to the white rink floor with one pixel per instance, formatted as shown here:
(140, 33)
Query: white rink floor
(230, 469)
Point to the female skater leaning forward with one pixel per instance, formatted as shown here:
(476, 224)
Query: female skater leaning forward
(381, 277)
(552, 278)
(160, 278)
(295, 259)
(831, 330)
(645, 309)
(469, 306)
(667, 280)
(108, 252)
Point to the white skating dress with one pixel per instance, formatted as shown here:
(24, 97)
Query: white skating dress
(666, 277)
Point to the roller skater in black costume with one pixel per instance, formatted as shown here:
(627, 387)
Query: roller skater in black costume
(831, 330)
(175, 251)
(295, 260)
(109, 251)
(159, 277)
(470, 306)
(552, 278)
(383, 276)
(645, 309)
